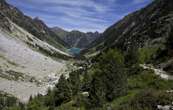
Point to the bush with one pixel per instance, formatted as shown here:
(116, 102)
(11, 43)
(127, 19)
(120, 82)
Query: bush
(36, 105)
(7, 101)
(145, 54)
(147, 79)
(62, 91)
(14, 108)
(109, 79)
(131, 57)
(148, 99)
(74, 82)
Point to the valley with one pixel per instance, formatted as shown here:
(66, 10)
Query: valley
(129, 66)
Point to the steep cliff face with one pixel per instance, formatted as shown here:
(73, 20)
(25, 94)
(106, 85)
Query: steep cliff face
(76, 38)
(34, 26)
(149, 26)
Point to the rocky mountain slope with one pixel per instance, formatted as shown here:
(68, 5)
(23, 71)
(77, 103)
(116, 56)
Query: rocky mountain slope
(34, 26)
(28, 64)
(76, 38)
(151, 25)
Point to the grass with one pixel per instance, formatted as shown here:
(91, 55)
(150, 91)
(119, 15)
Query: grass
(143, 89)
(6, 100)
(116, 103)
(146, 53)
(70, 106)
(147, 79)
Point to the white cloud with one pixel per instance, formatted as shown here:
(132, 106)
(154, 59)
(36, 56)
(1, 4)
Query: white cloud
(76, 14)
(99, 7)
(138, 1)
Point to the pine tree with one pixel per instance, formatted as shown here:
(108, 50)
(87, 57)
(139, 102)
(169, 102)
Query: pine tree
(62, 91)
(74, 81)
(109, 80)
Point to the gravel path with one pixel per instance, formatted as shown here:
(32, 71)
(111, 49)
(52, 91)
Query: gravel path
(158, 72)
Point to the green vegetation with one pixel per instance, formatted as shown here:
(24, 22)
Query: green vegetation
(146, 54)
(114, 80)
(145, 92)
(8, 102)
(110, 83)
(62, 92)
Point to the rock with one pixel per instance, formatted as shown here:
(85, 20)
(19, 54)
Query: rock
(165, 107)
(86, 94)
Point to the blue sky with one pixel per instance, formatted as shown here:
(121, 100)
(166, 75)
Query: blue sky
(83, 15)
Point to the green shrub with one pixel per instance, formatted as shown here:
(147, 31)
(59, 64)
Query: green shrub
(147, 99)
(36, 105)
(62, 91)
(75, 82)
(7, 101)
(145, 54)
(147, 79)
(145, 91)
(14, 108)
(109, 78)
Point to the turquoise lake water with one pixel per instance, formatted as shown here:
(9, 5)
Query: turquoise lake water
(74, 50)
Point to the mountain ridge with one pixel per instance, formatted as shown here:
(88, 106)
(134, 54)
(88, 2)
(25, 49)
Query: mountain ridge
(76, 38)
(32, 25)
(22, 59)
(138, 29)
(28, 62)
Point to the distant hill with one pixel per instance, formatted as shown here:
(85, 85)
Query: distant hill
(76, 38)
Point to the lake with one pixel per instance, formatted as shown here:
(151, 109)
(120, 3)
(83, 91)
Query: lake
(74, 50)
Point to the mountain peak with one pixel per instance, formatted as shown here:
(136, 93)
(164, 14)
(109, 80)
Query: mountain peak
(39, 21)
(34, 26)
(75, 38)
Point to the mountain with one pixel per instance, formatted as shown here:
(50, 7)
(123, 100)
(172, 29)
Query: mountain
(60, 32)
(76, 38)
(151, 26)
(129, 67)
(34, 26)
(29, 62)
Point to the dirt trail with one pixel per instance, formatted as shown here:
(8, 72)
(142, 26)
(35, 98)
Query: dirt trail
(158, 72)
